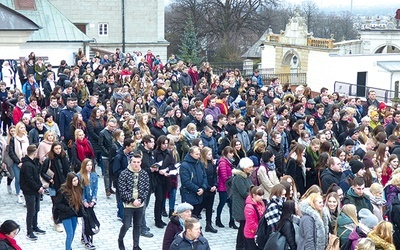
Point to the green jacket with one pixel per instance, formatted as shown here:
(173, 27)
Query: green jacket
(359, 201)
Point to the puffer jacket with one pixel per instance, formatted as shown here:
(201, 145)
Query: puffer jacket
(240, 190)
(193, 177)
(224, 172)
(252, 212)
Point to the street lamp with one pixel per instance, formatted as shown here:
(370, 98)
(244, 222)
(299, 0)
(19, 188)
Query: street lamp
(295, 60)
(262, 46)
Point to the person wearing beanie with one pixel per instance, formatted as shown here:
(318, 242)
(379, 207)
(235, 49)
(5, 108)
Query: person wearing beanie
(266, 173)
(374, 119)
(367, 222)
(159, 101)
(240, 189)
(355, 195)
(176, 225)
(357, 168)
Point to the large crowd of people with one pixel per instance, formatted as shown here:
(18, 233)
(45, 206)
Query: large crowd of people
(319, 171)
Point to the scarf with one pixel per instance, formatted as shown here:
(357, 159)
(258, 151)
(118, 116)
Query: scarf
(50, 124)
(314, 155)
(20, 146)
(84, 149)
(190, 136)
(270, 165)
(303, 165)
(12, 241)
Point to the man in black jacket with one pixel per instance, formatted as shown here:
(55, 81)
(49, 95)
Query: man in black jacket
(148, 160)
(105, 142)
(331, 175)
(32, 188)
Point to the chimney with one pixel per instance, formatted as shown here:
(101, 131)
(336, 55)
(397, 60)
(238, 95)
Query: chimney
(25, 4)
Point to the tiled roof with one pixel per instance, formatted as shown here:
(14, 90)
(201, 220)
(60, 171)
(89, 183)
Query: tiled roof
(55, 26)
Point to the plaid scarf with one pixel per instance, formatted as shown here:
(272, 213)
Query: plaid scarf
(274, 212)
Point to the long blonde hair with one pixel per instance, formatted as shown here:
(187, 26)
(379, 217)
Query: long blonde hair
(351, 211)
(84, 172)
(203, 156)
(311, 201)
(384, 230)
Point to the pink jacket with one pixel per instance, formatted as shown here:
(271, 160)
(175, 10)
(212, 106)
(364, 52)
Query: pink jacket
(224, 172)
(250, 227)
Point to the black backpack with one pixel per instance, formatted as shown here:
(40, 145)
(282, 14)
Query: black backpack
(263, 232)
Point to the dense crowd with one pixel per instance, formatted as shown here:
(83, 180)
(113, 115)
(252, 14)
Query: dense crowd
(297, 170)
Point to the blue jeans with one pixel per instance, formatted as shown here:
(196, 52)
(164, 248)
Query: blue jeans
(17, 172)
(223, 198)
(172, 199)
(70, 227)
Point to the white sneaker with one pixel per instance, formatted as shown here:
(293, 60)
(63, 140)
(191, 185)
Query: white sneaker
(9, 189)
(20, 199)
(58, 228)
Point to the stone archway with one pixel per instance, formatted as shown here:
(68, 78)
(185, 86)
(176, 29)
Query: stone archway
(387, 49)
(291, 64)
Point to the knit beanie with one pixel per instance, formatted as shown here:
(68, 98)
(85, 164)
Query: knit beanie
(367, 218)
(356, 166)
(183, 207)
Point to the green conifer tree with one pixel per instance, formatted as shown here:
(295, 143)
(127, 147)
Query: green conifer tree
(189, 47)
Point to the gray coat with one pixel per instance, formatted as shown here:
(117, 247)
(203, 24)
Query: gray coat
(313, 229)
(240, 190)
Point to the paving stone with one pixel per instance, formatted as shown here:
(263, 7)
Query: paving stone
(106, 211)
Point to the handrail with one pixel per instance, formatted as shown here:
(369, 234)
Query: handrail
(351, 89)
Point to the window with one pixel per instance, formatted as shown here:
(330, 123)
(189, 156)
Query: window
(103, 29)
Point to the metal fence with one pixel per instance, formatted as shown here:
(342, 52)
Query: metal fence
(351, 89)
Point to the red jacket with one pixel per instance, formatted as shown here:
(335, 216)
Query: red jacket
(250, 227)
(386, 175)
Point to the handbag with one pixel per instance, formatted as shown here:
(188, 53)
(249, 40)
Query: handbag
(50, 173)
(276, 241)
(333, 242)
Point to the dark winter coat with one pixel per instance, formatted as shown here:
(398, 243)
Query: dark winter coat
(287, 230)
(65, 119)
(294, 170)
(328, 177)
(60, 168)
(359, 201)
(279, 157)
(174, 227)
(93, 130)
(66, 210)
(181, 243)
(193, 177)
(29, 176)
(105, 141)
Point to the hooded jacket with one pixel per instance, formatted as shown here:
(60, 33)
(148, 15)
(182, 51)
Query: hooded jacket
(224, 172)
(210, 142)
(328, 177)
(359, 201)
(240, 190)
(193, 177)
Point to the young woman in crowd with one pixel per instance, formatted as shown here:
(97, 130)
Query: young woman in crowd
(238, 151)
(382, 236)
(188, 134)
(275, 147)
(388, 167)
(332, 204)
(266, 173)
(56, 163)
(8, 230)
(77, 123)
(80, 150)
(253, 211)
(296, 167)
(290, 180)
(51, 125)
(312, 156)
(274, 209)
(45, 145)
(209, 194)
(95, 124)
(17, 149)
(313, 229)
(224, 173)
(69, 205)
(89, 180)
(286, 223)
(346, 222)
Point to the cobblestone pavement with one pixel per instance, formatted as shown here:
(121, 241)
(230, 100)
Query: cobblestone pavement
(106, 212)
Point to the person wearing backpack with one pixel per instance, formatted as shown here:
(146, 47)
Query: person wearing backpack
(240, 186)
(286, 223)
(253, 211)
(266, 173)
